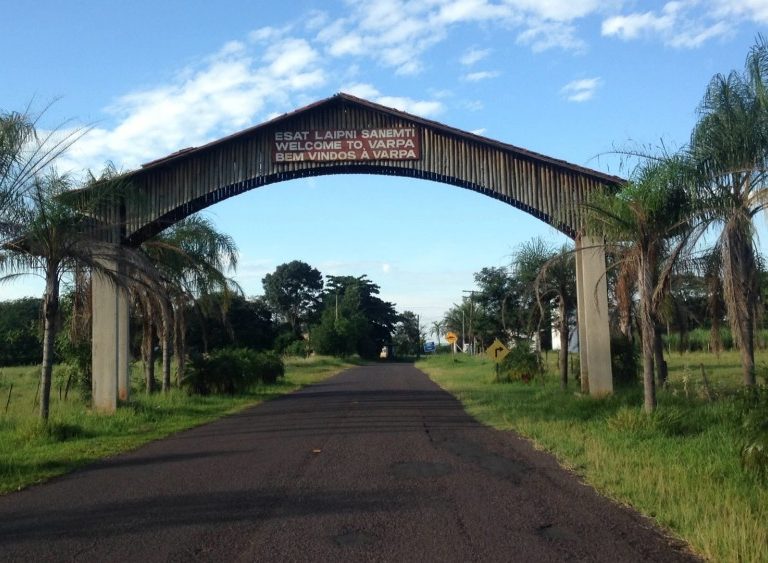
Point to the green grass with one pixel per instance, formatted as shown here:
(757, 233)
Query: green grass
(31, 452)
(680, 466)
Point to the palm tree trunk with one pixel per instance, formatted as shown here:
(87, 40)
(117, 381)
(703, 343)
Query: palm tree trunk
(741, 299)
(647, 329)
(179, 341)
(166, 335)
(50, 310)
(658, 357)
(563, 358)
(148, 349)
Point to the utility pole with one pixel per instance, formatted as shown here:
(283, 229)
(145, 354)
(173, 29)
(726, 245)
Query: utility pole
(418, 336)
(471, 314)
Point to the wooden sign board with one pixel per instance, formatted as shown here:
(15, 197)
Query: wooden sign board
(350, 145)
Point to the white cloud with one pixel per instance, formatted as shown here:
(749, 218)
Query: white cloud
(480, 131)
(558, 10)
(545, 35)
(289, 56)
(361, 90)
(426, 108)
(397, 33)
(687, 23)
(224, 93)
(481, 75)
(751, 10)
(581, 90)
(473, 56)
(473, 105)
(455, 11)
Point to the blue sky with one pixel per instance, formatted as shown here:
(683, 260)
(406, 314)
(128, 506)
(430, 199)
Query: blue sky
(572, 79)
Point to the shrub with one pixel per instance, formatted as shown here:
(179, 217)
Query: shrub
(232, 370)
(625, 360)
(521, 363)
(286, 339)
(77, 357)
(297, 348)
(753, 447)
(265, 367)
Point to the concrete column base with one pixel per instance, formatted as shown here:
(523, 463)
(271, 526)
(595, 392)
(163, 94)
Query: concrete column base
(109, 345)
(593, 316)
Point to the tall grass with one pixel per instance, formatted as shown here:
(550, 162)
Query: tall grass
(31, 452)
(697, 340)
(679, 466)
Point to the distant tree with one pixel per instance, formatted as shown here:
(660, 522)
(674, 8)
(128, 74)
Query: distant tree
(293, 291)
(437, 328)
(528, 261)
(354, 319)
(344, 329)
(244, 323)
(407, 335)
(500, 296)
(20, 331)
(471, 322)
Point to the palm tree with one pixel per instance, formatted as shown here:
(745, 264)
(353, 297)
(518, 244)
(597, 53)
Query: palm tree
(646, 222)
(557, 279)
(192, 257)
(50, 238)
(528, 261)
(730, 147)
(437, 329)
(24, 154)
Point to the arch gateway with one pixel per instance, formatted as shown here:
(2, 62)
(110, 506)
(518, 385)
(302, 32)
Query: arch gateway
(348, 135)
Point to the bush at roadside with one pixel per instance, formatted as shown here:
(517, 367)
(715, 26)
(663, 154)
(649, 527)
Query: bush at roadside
(232, 370)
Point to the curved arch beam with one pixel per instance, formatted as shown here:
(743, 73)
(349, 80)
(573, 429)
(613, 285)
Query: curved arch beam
(198, 204)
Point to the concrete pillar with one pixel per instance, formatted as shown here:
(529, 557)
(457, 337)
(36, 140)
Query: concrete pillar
(581, 320)
(594, 312)
(109, 345)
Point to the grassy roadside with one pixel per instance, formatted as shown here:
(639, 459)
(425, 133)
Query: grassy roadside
(30, 452)
(679, 467)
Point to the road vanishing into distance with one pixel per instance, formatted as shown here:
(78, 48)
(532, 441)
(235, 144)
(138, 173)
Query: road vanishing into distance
(374, 464)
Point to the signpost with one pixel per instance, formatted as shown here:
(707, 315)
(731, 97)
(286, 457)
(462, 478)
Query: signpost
(497, 352)
(452, 337)
(429, 347)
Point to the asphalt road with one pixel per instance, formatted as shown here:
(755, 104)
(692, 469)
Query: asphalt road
(375, 464)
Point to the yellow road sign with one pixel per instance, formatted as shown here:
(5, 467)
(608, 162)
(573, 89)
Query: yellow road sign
(451, 337)
(496, 351)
